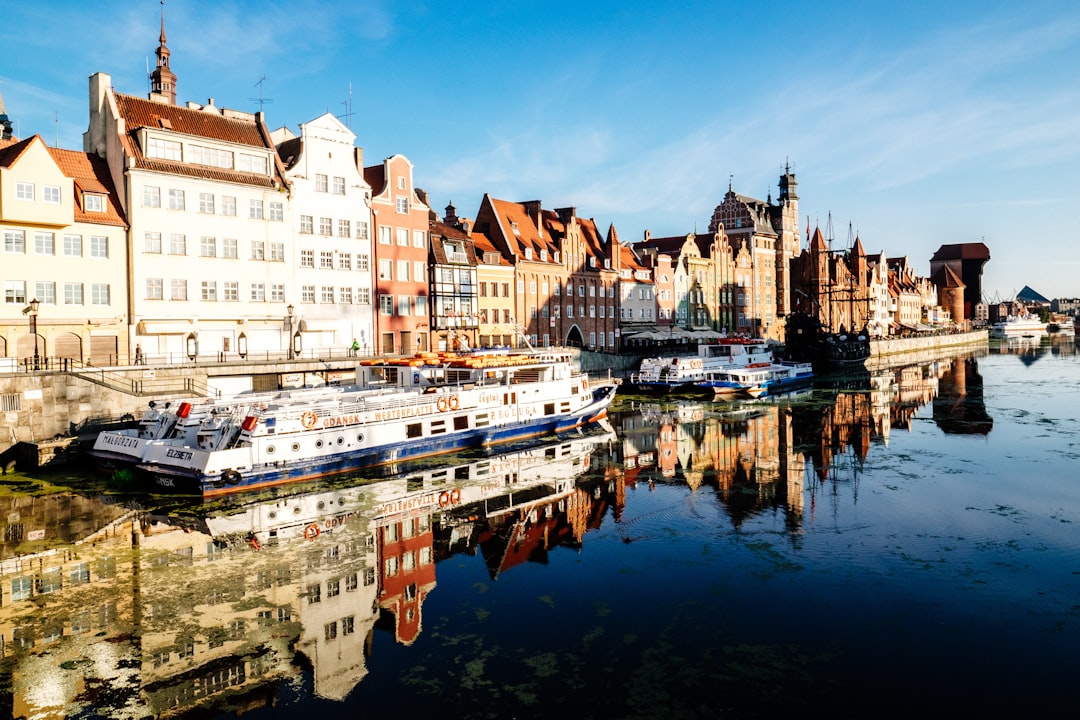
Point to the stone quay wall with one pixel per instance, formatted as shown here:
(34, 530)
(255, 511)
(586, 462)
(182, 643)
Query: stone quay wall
(922, 343)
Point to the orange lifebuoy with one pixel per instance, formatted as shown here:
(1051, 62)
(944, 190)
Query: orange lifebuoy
(449, 498)
(311, 531)
(453, 402)
(444, 499)
(441, 404)
(455, 496)
(309, 419)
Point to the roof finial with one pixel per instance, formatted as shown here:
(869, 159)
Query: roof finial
(162, 37)
(730, 180)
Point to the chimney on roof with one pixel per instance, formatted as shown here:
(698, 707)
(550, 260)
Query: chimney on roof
(451, 217)
(567, 214)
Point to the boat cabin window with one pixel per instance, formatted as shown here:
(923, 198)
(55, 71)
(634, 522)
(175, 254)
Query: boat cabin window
(549, 408)
(461, 422)
(413, 430)
(438, 427)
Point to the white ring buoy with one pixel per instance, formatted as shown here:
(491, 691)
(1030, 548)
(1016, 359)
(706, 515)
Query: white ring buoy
(309, 419)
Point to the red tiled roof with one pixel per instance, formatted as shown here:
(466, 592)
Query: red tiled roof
(212, 125)
(10, 150)
(91, 174)
(483, 245)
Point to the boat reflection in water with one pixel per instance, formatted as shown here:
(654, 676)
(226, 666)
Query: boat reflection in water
(265, 599)
(762, 455)
(164, 614)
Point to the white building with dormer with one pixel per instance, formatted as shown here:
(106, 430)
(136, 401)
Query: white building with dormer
(332, 255)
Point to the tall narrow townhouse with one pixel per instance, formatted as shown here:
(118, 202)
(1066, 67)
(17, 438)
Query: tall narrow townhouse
(565, 279)
(769, 232)
(701, 287)
(454, 288)
(209, 240)
(332, 242)
(64, 260)
(399, 216)
(495, 294)
(637, 295)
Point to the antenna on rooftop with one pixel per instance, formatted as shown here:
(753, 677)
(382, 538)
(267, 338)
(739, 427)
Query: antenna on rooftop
(56, 122)
(261, 100)
(347, 102)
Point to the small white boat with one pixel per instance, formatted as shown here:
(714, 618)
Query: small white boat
(758, 379)
(682, 373)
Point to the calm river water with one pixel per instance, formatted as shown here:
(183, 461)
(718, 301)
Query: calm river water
(906, 539)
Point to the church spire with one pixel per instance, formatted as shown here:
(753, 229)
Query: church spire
(162, 80)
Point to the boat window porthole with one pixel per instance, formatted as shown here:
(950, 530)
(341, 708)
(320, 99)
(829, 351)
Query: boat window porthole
(273, 514)
(295, 447)
(269, 449)
(341, 441)
(341, 501)
(322, 505)
(360, 437)
(318, 443)
(296, 510)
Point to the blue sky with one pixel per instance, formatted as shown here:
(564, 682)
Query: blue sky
(916, 124)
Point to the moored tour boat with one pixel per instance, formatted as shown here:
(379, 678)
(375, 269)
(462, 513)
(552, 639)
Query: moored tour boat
(682, 373)
(758, 379)
(164, 424)
(399, 410)
(1018, 326)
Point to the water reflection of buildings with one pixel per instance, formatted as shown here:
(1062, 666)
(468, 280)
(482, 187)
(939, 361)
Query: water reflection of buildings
(766, 455)
(166, 614)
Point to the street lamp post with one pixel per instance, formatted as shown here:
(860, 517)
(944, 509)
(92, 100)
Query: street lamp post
(288, 329)
(32, 311)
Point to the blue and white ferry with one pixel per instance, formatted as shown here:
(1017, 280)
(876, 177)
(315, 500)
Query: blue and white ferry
(402, 409)
(758, 379)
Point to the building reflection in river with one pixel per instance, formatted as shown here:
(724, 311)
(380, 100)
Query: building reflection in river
(116, 609)
(135, 610)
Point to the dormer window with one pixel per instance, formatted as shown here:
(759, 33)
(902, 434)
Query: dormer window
(528, 254)
(93, 202)
(607, 263)
(514, 228)
(543, 255)
(592, 261)
(556, 256)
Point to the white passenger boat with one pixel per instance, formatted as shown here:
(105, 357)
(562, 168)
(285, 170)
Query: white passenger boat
(758, 379)
(1018, 326)
(461, 491)
(682, 373)
(159, 423)
(176, 423)
(399, 410)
